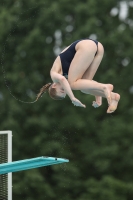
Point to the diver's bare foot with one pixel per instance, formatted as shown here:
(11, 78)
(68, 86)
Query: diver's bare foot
(107, 91)
(113, 106)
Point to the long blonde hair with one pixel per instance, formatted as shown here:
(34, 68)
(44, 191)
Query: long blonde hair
(51, 91)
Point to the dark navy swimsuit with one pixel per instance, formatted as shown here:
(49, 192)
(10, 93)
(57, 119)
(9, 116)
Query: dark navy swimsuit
(68, 55)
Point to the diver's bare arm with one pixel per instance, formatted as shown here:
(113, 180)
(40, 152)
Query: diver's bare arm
(56, 77)
(63, 81)
(69, 92)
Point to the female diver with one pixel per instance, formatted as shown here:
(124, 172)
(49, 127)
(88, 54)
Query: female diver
(74, 69)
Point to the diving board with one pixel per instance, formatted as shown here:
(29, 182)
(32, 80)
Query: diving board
(30, 164)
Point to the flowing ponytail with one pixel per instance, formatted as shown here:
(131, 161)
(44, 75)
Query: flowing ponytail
(51, 91)
(43, 89)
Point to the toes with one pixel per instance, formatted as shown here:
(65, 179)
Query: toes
(111, 87)
(110, 111)
(117, 97)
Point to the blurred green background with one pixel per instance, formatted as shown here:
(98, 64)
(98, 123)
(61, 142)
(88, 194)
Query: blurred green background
(98, 145)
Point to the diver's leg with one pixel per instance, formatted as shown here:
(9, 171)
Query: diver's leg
(114, 96)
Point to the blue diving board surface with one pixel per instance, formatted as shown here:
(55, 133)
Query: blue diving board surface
(30, 164)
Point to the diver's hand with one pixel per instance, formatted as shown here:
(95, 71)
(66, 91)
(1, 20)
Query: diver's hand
(76, 102)
(98, 102)
(95, 104)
